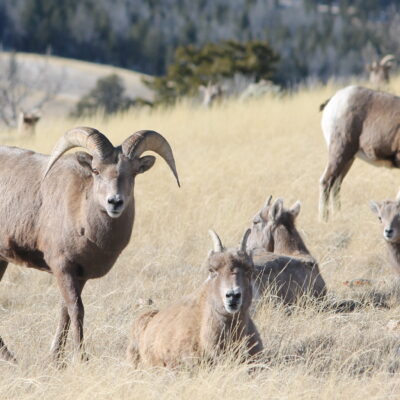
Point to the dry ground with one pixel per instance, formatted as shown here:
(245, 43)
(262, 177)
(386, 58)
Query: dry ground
(230, 158)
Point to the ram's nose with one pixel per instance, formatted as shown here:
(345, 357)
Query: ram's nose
(115, 205)
(116, 201)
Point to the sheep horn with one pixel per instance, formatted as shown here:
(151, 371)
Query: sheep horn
(388, 58)
(244, 240)
(141, 141)
(218, 248)
(264, 211)
(89, 138)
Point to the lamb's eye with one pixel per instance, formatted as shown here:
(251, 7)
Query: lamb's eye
(95, 171)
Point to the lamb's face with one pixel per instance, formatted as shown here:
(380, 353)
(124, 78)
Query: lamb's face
(388, 213)
(231, 274)
(273, 224)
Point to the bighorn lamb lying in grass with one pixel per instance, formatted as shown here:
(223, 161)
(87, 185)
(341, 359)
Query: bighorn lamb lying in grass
(388, 213)
(72, 216)
(293, 269)
(205, 323)
(357, 122)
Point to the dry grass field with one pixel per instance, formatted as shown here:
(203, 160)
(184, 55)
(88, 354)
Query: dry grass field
(230, 158)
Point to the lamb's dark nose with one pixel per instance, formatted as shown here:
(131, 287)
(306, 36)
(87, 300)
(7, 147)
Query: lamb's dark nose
(115, 200)
(233, 299)
(388, 233)
(233, 296)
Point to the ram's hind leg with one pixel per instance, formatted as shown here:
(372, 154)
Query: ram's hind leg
(331, 181)
(5, 354)
(335, 193)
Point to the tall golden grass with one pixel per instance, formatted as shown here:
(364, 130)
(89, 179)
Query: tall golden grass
(230, 158)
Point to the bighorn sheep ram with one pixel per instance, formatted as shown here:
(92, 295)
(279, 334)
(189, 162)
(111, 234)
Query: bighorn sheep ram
(73, 215)
(357, 122)
(292, 268)
(27, 122)
(206, 322)
(379, 71)
(388, 213)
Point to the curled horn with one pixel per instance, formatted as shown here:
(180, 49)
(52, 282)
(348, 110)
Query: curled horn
(141, 141)
(89, 138)
(218, 248)
(243, 243)
(387, 59)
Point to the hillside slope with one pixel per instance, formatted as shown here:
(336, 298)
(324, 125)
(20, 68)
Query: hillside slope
(76, 78)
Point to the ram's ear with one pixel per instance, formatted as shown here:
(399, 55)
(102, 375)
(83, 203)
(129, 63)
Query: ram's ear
(145, 163)
(84, 159)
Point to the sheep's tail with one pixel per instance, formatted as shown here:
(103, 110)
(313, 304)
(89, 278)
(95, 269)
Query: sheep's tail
(323, 105)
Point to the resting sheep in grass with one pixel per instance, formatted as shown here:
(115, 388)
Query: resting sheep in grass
(291, 268)
(357, 122)
(73, 215)
(206, 322)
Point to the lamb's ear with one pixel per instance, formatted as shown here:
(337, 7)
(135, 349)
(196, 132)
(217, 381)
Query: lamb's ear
(295, 210)
(375, 207)
(211, 270)
(84, 159)
(276, 209)
(257, 218)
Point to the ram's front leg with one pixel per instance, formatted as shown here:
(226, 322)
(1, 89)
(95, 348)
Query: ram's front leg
(58, 345)
(72, 312)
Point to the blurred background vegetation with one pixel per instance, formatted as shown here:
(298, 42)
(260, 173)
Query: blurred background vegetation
(314, 39)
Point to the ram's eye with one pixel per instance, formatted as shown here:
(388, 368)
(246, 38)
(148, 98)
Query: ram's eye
(95, 171)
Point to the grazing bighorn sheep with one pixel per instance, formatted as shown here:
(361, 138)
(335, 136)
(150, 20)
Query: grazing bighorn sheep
(388, 212)
(357, 122)
(211, 93)
(379, 71)
(72, 216)
(292, 268)
(27, 123)
(209, 321)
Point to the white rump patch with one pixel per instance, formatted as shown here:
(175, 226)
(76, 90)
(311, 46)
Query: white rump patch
(336, 108)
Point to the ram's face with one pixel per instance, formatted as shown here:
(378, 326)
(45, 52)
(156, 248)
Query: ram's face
(113, 179)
